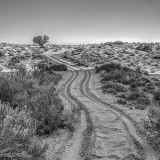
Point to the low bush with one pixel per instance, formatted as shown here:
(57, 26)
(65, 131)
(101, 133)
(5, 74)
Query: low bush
(37, 56)
(134, 85)
(150, 86)
(122, 95)
(125, 81)
(48, 66)
(121, 101)
(114, 76)
(133, 95)
(145, 90)
(152, 127)
(140, 106)
(37, 91)
(58, 67)
(108, 67)
(110, 90)
(1, 53)
(15, 59)
(17, 138)
(143, 101)
(156, 95)
(30, 106)
(116, 79)
(116, 87)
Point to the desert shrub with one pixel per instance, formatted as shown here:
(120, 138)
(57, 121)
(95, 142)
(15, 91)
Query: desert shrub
(150, 86)
(114, 86)
(125, 81)
(143, 101)
(118, 42)
(145, 90)
(133, 95)
(121, 101)
(140, 106)
(108, 67)
(58, 67)
(154, 116)
(122, 95)
(140, 83)
(156, 95)
(48, 66)
(115, 76)
(145, 47)
(45, 78)
(17, 134)
(156, 56)
(153, 125)
(134, 85)
(156, 82)
(110, 90)
(1, 53)
(137, 82)
(146, 73)
(37, 91)
(37, 56)
(15, 59)
(152, 91)
(43, 65)
(154, 79)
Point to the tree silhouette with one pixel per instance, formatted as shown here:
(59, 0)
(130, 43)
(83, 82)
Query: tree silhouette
(41, 40)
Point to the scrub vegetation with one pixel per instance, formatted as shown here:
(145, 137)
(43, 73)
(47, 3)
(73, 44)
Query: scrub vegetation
(29, 108)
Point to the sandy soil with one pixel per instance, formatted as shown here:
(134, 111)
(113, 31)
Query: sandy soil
(136, 116)
(95, 87)
(112, 140)
(73, 147)
(115, 136)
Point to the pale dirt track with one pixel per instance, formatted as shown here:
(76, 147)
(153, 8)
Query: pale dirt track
(114, 133)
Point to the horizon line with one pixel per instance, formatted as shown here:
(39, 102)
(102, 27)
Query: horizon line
(85, 43)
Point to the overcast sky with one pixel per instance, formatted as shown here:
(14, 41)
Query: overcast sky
(80, 21)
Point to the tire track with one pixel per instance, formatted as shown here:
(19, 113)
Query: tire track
(86, 121)
(129, 122)
(76, 149)
(60, 151)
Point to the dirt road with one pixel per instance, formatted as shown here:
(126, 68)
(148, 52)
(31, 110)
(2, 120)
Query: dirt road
(104, 132)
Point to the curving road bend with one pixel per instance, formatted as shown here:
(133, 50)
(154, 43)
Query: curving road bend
(128, 122)
(75, 148)
(114, 134)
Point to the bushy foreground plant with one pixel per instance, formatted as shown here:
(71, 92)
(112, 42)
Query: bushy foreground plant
(152, 126)
(30, 106)
(17, 138)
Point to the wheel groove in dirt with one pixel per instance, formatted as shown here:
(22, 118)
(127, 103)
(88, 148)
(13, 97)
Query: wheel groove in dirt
(129, 122)
(85, 144)
(60, 151)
